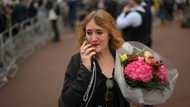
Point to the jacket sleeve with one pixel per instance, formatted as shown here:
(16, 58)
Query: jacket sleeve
(132, 19)
(76, 81)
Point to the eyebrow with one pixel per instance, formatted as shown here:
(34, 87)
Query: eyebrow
(94, 29)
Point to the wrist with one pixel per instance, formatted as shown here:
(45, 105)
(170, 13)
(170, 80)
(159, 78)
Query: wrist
(87, 66)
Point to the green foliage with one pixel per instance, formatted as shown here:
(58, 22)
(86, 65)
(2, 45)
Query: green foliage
(153, 84)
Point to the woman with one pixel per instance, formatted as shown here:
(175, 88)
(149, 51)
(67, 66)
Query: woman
(99, 38)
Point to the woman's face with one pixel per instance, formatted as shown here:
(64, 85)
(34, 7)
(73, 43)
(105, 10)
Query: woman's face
(97, 36)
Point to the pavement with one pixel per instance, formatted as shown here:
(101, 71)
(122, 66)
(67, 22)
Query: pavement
(40, 76)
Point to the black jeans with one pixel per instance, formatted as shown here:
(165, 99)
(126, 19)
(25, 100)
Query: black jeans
(55, 30)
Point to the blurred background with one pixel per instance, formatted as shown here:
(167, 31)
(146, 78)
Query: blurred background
(37, 39)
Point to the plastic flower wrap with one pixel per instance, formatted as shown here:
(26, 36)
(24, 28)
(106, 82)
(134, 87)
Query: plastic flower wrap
(143, 75)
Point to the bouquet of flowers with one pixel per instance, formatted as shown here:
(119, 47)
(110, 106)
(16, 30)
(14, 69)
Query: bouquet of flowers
(143, 75)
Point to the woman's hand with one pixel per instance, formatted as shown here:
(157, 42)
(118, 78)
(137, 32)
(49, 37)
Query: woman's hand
(86, 53)
(127, 8)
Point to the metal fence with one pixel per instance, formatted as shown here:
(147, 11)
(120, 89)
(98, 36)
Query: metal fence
(29, 35)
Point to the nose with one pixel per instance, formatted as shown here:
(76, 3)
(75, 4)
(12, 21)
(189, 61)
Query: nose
(94, 37)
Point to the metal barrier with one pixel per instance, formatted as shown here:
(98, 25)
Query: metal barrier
(7, 59)
(32, 33)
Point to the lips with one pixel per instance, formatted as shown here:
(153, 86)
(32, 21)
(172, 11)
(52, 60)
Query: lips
(95, 45)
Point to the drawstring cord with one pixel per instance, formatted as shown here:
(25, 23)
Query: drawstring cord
(86, 97)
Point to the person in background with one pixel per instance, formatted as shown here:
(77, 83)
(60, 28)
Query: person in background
(20, 12)
(111, 6)
(133, 23)
(169, 6)
(146, 4)
(2, 19)
(32, 9)
(53, 17)
(72, 14)
(180, 4)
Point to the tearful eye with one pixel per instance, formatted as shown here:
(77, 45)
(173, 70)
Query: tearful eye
(99, 32)
(89, 33)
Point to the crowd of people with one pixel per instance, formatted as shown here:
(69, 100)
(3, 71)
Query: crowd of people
(12, 13)
(73, 11)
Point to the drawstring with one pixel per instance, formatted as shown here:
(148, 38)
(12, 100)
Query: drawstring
(86, 97)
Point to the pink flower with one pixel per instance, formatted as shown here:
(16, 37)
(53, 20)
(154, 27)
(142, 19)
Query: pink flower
(162, 73)
(138, 70)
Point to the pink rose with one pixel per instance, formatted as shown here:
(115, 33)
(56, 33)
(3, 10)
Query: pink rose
(162, 73)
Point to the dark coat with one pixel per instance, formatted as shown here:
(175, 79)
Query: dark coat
(140, 33)
(2, 22)
(20, 13)
(77, 78)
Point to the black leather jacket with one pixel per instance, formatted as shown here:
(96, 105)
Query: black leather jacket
(77, 78)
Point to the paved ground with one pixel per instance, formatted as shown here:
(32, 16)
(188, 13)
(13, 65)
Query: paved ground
(40, 77)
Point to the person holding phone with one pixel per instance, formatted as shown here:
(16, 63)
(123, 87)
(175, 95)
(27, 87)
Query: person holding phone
(99, 38)
(135, 22)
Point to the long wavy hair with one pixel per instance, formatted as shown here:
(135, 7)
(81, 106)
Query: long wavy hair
(106, 21)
